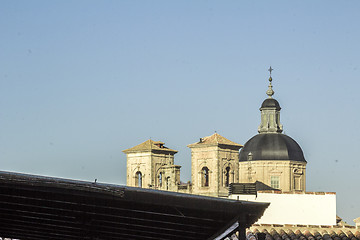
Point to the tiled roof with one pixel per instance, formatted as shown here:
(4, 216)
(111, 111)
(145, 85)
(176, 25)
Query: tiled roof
(215, 139)
(302, 232)
(296, 192)
(150, 145)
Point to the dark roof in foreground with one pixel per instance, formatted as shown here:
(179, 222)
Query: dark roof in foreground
(34, 207)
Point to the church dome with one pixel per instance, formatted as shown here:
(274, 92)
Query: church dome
(271, 103)
(271, 146)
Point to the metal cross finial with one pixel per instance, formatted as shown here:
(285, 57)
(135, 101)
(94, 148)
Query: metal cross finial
(270, 70)
(270, 91)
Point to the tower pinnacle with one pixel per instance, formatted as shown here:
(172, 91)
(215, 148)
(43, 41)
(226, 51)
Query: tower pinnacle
(270, 112)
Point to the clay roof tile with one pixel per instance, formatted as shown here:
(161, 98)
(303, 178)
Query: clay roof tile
(150, 145)
(215, 139)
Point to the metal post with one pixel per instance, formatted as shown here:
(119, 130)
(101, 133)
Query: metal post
(242, 233)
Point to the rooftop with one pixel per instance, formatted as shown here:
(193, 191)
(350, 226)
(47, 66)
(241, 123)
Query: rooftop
(150, 145)
(215, 139)
(45, 208)
(302, 232)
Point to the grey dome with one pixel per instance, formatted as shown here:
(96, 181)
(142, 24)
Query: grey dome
(272, 146)
(271, 102)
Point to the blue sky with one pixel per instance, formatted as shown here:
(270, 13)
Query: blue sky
(80, 81)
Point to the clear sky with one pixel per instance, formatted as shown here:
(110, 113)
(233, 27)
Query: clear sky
(80, 81)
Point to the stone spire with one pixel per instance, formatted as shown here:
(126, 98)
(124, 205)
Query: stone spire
(270, 112)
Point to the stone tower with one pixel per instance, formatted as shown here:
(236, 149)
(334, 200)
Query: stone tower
(271, 158)
(151, 165)
(214, 165)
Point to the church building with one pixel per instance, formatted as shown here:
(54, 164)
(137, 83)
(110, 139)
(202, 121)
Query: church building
(271, 160)
(271, 157)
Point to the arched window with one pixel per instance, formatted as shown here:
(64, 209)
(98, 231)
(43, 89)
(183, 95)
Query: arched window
(227, 176)
(138, 179)
(160, 179)
(204, 177)
(167, 183)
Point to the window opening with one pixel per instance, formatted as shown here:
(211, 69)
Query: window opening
(297, 183)
(227, 176)
(167, 183)
(160, 180)
(138, 179)
(205, 177)
(275, 182)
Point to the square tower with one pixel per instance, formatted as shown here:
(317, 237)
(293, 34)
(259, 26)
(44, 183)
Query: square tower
(151, 165)
(214, 165)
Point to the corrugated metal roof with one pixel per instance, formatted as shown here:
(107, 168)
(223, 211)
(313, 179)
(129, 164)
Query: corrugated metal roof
(35, 207)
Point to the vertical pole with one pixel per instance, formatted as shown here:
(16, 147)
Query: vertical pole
(242, 233)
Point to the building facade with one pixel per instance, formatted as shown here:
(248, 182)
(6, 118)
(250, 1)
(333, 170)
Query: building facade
(214, 165)
(151, 165)
(271, 159)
